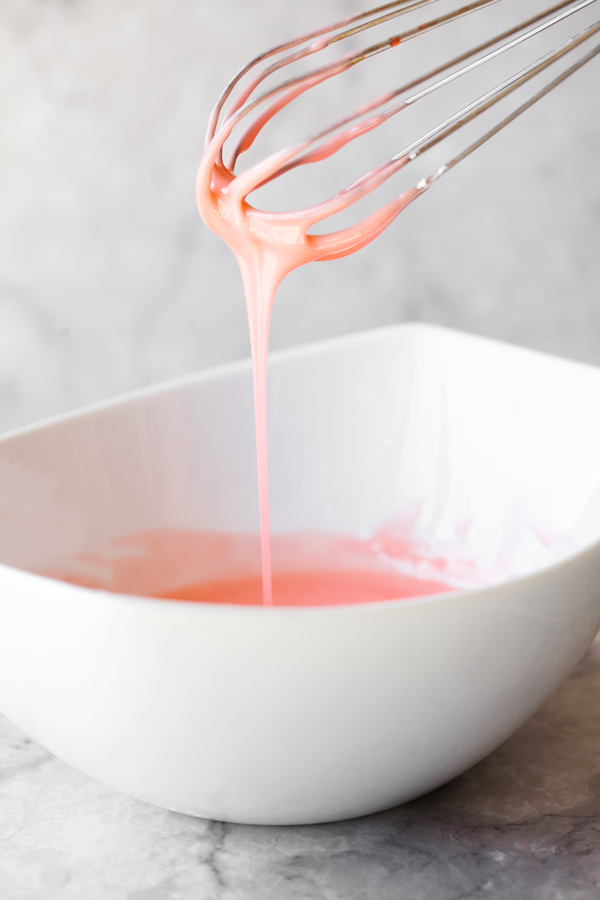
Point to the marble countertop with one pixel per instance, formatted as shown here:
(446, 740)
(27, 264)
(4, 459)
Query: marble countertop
(524, 824)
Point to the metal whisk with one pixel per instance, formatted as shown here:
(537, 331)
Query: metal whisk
(257, 106)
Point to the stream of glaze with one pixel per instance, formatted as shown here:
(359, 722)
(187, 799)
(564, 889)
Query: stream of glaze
(269, 245)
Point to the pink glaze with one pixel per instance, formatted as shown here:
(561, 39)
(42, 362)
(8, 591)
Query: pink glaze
(398, 560)
(269, 245)
(309, 569)
(318, 588)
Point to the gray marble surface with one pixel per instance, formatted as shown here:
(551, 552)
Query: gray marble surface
(524, 824)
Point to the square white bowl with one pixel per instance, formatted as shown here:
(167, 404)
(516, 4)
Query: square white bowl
(307, 714)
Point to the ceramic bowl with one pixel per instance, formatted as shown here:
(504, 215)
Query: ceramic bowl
(301, 715)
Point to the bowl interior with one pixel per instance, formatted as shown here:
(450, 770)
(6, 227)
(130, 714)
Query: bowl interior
(485, 451)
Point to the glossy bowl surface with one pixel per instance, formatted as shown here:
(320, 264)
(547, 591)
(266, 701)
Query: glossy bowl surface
(286, 716)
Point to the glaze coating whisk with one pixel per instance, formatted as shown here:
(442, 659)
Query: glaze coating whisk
(247, 103)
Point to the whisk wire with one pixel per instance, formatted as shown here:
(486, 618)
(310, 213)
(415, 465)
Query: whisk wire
(490, 98)
(595, 51)
(324, 152)
(352, 59)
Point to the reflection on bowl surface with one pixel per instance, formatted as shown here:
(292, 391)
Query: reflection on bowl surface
(419, 460)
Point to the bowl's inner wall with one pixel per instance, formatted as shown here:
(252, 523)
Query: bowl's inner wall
(475, 443)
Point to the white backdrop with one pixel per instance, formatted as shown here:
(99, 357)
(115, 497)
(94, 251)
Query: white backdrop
(109, 280)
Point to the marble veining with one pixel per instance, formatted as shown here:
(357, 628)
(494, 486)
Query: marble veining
(524, 824)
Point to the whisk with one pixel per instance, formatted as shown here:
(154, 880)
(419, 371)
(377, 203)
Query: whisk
(260, 107)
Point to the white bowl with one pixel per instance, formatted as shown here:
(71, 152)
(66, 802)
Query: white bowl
(300, 715)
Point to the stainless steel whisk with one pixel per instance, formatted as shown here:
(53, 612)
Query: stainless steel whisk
(262, 106)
